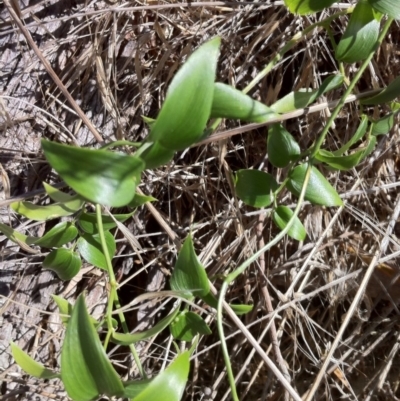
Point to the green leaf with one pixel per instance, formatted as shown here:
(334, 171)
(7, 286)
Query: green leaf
(318, 191)
(383, 125)
(64, 307)
(370, 147)
(391, 92)
(90, 248)
(389, 7)
(134, 388)
(303, 7)
(17, 237)
(360, 36)
(155, 155)
(189, 274)
(255, 188)
(48, 212)
(85, 369)
(64, 262)
(239, 309)
(127, 339)
(29, 365)
(187, 325)
(100, 176)
(282, 147)
(343, 163)
(281, 217)
(170, 384)
(361, 130)
(140, 200)
(229, 102)
(60, 234)
(56, 195)
(88, 221)
(187, 107)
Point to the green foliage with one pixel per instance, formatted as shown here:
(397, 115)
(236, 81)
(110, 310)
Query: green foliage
(187, 325)
(389, 7)
(281, 217)
(64, 262)
(303, 7)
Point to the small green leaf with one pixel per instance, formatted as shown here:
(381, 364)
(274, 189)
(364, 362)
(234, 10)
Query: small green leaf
(90, 248)
(64, 262)
(17, 237)
(189, 274)
(184, 114)
(85, 368)
(155, 155)
(303, 7)
(343, 163)
(88, 221)
(318, 191)
(281, 217)
(100, 176)
(389, 7)
(383, 125)
(170, 384)
(140, 200)
(127, 339)
(187, 325)
(64, 307)
(56, 195)
(239, 309)
(229, 102)
(391, 92)
(30, 366)
(48, 212)
(361, 130)
(360, 36)
(282, 147)
(255, 188)
(60, 234)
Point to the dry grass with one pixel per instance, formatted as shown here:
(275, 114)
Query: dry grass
(117, 66)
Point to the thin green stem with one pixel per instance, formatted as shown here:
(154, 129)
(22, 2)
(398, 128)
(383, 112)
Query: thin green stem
(232, 276)
(113, 297)
(350, 88)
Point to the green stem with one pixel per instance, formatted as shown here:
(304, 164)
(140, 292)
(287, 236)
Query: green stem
(350, 88)
(113, 297)
(232, 276)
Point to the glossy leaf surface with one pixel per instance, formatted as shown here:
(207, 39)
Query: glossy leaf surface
(88, 221)
(343, 163)
(170, 384)
(282, 147)
(303, 7)
(281, 217)
(155, 155)
(184, 114)
(229, 102)
(383, 125)
(255, 188)
(187, 325)
(389, 7)
(64, 262)
(60, 234)
(189, 274)
(85, 369)
(318, 191)
(100, 176)
(91, 250)
(360, 36)
(30, 366)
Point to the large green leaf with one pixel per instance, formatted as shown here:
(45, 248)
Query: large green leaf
(88, 221)
(170, 384)
(281, 217)
(155, 155)
(64, 262)
(126, 339)
(85, 369)
(389, 7)
(303, 7)
(255, 188)
(60, 234)
(187, 107)
(90, 248)
(100, 176)
(30, 366)
(47, 212)
(391, 92)
(229, 102)
(360, 36)
(189, 275)
(282, 147)
(318, 191)
(187, 325)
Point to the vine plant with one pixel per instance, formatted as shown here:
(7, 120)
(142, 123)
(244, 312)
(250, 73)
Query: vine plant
(107, 178)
